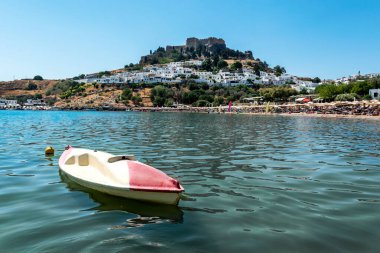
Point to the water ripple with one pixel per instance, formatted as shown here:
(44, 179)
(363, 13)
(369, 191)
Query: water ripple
(251, 182)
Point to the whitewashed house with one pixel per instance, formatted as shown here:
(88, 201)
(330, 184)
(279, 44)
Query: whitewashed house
(175, 64)
(193, 62)
(35, 102)
(8, 103)
(374, 93)
(111, 79)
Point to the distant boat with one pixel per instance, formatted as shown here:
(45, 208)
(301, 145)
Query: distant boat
(119, 176)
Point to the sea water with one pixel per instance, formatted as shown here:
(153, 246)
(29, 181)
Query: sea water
(253, 183)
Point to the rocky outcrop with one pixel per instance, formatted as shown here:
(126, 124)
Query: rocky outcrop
(194, 43)
(195, 49)
(208, 42)
(175, 48)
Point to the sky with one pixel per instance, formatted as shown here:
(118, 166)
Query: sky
(64, 38)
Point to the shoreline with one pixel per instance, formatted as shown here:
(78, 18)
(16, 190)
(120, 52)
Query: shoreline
(316, 115)
(358, 110)
(310, 115)
(349, 110)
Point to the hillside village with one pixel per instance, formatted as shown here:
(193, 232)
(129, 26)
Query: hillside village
(161, 66)
(175, 72)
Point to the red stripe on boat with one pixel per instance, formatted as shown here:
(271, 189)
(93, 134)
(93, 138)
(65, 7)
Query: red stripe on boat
(147, 178)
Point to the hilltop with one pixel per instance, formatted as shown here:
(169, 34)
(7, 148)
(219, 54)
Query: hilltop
(195, 49)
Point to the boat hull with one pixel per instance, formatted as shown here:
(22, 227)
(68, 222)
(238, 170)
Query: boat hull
(169, 198)
(119, 176)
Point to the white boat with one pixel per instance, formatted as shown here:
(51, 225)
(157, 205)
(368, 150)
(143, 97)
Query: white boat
(119, 175)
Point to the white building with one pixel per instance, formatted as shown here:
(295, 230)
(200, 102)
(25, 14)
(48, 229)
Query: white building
(35, 102)
(304, 85)
(193, 62)
(111, 79)
(374, 93)
(7, 103)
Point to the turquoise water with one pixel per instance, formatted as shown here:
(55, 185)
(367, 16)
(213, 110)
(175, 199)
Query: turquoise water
(253, 183)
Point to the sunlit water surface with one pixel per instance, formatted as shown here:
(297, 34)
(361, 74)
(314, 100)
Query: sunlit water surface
(253, 183)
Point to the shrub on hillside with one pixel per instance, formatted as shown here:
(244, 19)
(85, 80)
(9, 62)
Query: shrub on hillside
(201, 103)
(31, 86)
(63, 86)
(346, 97)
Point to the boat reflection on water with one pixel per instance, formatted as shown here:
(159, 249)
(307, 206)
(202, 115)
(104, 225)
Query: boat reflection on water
(148, 212)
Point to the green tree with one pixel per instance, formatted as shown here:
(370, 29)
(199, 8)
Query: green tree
(218, 100)
(38, 78)
(160, 49)
(278, 70)
(222, 64)
(205, 86)
(215, 60)
(169, 102)
(279, 94)
(361, 88)
(256, 69)
(160, 94)
(201, 103)
(136, 99)
(189, 97)
(206, 65)
(103, 73)
(179, 57)
(208, 98)
(236, 65)
(158, 101)
(38, 96)
(193, 85)
(193, 76)
(344, 88)
(126, 95)
(303, 91)
(327, 91)
(375, 83)
(31, 86)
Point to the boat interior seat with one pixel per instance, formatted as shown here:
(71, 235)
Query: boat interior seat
(121, 157)
(70, 161)
(83, 160)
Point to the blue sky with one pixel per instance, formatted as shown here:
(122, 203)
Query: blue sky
(64, 38)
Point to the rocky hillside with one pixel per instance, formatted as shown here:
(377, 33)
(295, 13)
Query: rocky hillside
(84, 97)
(108, 98)
(24, 87)
(21, 90)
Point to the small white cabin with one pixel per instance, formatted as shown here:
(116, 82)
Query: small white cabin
(374, 93)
